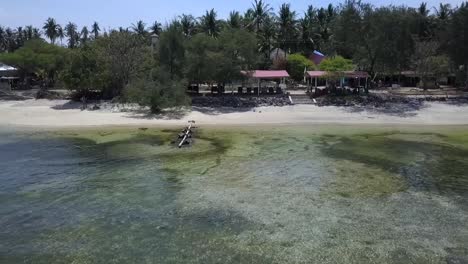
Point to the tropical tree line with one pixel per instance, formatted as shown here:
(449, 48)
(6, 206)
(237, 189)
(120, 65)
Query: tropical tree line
(12, 39)
(381, 40)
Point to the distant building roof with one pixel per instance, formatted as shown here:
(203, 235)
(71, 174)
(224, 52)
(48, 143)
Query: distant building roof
(258, 74)
(316, 73)
(356, 74)
(409, 74)
(349, 74)
(317, 57)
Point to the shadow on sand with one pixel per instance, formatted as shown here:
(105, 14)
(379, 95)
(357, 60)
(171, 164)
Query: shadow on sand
(144, 113)
(70, 105)
(220, 110)
(180, 113)
(170, 114)
(393, 110)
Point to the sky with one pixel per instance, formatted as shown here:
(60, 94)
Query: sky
(115, 13)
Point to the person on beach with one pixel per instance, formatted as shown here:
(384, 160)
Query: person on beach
(83, 101)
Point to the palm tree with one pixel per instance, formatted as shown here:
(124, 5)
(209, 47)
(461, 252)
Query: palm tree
(444, 11)
(423, 21)
(19, 37)
(36, 33)
(331, 13)
(235, 19)
(72, 34)
(121, 29)
(260, 12)
(60, 34)
(28, 32)
(307, 29)
(10, 43)
(441, 23)
(2, 39)
(287, 27)
(323, 20)
(139, 28)
(95, 30)
(156, 28)
(188, 24)
(267, 36)
(209, 23)
(31, 32)
(50, 28)
(422, 9)
(84, 35)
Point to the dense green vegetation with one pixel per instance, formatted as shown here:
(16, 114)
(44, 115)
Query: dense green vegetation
(158, 59)
(296, 64)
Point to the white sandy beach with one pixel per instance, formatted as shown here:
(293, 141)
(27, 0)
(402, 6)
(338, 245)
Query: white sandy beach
(44, 113)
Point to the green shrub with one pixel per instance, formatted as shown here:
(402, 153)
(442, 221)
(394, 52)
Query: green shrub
(337, 64)
(157, 94)
(296, 64)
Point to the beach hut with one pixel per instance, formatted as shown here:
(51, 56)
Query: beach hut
(314, 76)
(357, 79)
(267, 75)
(353, 78)
(8, 76)
(8, 71)
(356, 76)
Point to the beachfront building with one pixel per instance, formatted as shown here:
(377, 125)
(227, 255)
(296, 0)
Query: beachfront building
(8, 71)
(255, 82)
(356, 79)
(8, 76)
(265, 82)
(320, 81)
(412, 79)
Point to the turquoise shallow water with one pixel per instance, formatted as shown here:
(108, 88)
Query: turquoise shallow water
(328, 194)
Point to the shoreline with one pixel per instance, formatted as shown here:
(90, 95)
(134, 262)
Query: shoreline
(47, 115)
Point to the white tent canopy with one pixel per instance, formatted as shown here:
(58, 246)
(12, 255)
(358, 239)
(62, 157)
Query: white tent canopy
(4, 67)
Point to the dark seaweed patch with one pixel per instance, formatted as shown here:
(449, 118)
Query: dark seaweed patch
(426, 166)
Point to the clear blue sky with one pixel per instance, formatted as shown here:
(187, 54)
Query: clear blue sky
(115, 13)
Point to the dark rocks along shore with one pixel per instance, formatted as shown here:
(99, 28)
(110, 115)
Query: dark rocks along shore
(240, 102)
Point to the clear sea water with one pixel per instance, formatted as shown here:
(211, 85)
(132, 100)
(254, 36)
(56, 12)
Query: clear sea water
(287, 194)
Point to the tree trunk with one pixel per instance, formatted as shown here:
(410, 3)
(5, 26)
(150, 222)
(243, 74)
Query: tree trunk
(466, 80)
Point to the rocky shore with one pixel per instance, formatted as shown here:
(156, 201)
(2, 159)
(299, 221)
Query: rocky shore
(7, 96)
(388, 104)
(240, 102)
(376, 101)
(21, 95)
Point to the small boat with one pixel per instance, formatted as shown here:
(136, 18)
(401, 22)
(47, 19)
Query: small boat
(186, 135)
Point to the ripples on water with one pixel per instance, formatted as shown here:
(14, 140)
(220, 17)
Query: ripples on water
(292, 195)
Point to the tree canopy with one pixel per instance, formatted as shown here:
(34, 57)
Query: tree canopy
(297, 64)
(337, 64)
(384, 40)
(37, 57)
